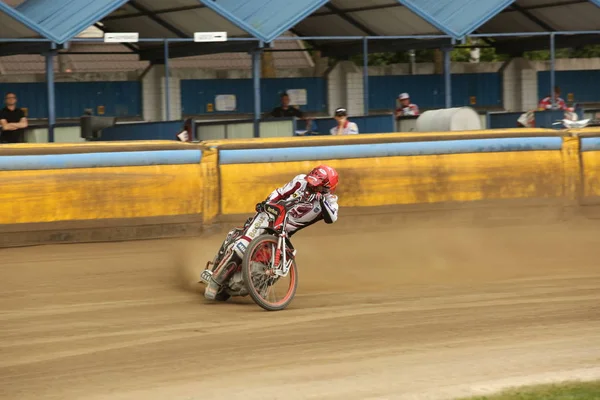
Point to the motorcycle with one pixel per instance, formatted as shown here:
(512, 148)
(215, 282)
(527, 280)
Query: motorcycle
(268, 259)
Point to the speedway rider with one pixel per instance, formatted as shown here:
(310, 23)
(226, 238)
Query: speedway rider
(316, 201)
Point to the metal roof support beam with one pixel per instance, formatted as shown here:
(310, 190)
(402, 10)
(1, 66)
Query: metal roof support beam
(532, 18)
(342, 14)
(447, 76)
(157, 12)
(256, 58)
(167, 85)
(51, 95)
(552, 68)
(366, 76)
(158, 20)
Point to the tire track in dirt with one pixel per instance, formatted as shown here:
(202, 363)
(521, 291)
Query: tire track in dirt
(407, 312)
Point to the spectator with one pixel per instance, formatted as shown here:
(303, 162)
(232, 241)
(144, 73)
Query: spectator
(286, 111)
(186, 134)
(406, 107)
(13, 121)
(344, 126)
(546, 103)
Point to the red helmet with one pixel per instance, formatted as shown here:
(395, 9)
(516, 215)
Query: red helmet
(322, 178)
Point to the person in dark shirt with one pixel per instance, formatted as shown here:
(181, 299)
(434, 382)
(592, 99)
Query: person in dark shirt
(13, 121)
(285, 110)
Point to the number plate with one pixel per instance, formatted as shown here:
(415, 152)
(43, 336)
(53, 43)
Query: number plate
(206, 276)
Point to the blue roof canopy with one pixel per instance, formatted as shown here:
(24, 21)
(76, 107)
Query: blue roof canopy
(265, 19)
(457, 18)
(61, 20)
(596, 2)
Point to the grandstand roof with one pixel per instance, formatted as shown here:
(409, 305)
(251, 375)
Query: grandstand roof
(266, 19)
(457, 18)
(100, 57)
(545, 16)
(11, 28)
(59, 20)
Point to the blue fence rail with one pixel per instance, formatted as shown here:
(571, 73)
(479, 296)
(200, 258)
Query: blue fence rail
(197, 94)
(119, 99)
(366, 124)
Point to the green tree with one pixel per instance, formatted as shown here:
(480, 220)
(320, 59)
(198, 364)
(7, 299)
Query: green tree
(589, 51)
(462, 53)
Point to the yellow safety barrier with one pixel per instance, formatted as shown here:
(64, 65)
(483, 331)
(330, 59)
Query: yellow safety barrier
(412, 179)
(210, 183)
(367, 182)
(569, 173)
(56, 194)
(100, 193)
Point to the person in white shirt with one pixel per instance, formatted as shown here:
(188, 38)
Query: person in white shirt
(344, 126)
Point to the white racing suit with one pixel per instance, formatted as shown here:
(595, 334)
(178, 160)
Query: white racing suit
(310, 208)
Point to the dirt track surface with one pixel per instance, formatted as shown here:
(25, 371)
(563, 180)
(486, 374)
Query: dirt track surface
(382, 312)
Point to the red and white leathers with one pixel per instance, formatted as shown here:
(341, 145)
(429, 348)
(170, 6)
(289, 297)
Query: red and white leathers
(409, 110)
(546, 103)
(311, 208)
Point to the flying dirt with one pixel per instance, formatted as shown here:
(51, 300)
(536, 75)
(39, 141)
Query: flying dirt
(386, 308)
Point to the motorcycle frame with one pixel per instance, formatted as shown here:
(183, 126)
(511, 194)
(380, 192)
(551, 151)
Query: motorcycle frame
(281, 242)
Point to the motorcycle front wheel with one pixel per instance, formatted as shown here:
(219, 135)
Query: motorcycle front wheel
(257, 271)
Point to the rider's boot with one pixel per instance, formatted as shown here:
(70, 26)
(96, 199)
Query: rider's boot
(211, 290)
(220, 277)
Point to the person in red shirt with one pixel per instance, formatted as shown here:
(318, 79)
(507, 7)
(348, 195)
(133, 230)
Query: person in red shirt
(406, 107)
(546, 102)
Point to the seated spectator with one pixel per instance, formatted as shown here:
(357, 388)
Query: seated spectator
(13, 121)
(406, 107)
(286, 111)
(344, 126)
(546, 102)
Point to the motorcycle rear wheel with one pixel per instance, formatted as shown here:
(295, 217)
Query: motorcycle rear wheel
(259, 251)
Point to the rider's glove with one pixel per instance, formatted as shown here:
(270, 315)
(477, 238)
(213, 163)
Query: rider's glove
(260, 207)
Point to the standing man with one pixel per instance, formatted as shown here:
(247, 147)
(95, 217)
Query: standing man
(13, 121)
(344, 126)
(406, 107)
